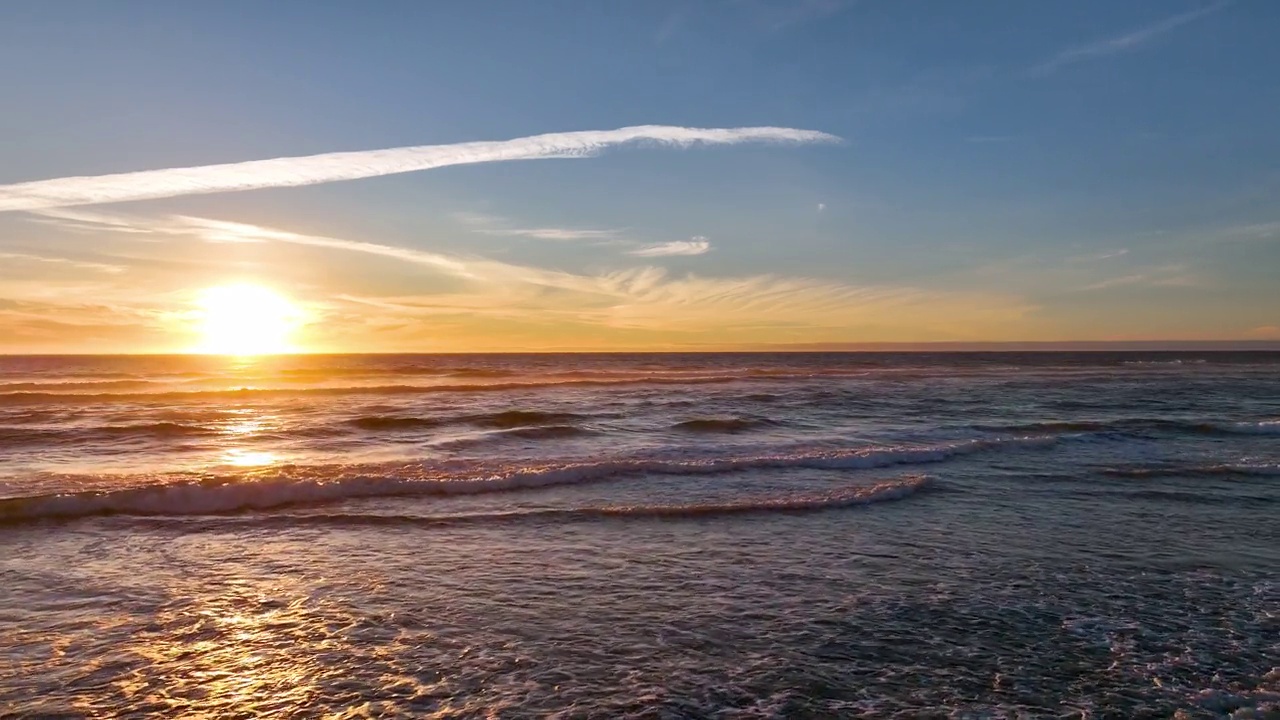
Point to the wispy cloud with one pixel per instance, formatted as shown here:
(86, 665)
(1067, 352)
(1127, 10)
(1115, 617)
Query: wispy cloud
(1101, 255)
(31, 257)
(601, 308)
(777, 15)
(222, 231)
(494, 225)
(1255, 231)
(334, 167)
(696, 245)
(554, 233)
(1124, 43)
(1171, 275)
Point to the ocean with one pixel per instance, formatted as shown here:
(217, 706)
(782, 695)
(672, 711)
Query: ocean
(816, 535)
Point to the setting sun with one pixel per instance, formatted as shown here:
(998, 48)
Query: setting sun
(245, 320)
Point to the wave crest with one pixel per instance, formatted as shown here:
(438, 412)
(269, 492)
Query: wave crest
(392, 422)
(303, 485)
(720, 425)
(1167, 471)
(18, 436)
(1137, 425)
(843, 497)
(522, 418)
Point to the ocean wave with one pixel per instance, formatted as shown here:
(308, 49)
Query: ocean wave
(1181, 496)
(547, 432)
(246, 393)
(392, 370)
(260, 387)
(1133, 425)
(1264, 427)
(160, 429)
(522, 418)
(387, 423)
(301, 486)
(535, 432)
(73, 385)
(844, 497)
(503, 420)
(1220, 469)
(721, 425)
(480, 372)
(32, 436)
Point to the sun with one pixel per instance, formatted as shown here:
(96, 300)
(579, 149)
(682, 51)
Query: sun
(245, 319)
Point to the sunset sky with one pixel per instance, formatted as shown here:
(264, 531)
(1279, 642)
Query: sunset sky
(651, 175)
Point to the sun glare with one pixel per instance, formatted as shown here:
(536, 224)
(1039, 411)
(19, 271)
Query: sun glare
(245, 320)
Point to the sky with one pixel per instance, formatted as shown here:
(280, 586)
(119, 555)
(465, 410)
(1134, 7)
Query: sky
(640, 174)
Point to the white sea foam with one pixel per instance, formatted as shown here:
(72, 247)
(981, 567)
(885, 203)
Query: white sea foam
(328, 484)
(842, 497)
(1265, 427)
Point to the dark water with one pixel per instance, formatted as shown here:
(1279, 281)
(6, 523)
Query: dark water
(728, 536)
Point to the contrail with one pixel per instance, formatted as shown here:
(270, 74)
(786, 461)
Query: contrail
(333, 167)
(1126, 42)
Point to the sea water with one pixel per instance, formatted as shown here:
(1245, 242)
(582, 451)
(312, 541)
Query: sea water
(669, 536)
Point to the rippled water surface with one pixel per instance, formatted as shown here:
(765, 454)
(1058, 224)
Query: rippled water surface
(668, 536)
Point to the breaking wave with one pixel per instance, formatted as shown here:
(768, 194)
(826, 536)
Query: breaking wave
(300, 486)
(547, 432)
(843, 497)
(1137, 425)
(1166, 471)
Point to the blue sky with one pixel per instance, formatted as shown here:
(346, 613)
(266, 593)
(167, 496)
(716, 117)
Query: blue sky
(1006, 171)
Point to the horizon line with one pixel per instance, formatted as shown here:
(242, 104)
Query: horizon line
(1257, 345)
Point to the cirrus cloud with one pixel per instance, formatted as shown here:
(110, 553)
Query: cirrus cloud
(696, 245)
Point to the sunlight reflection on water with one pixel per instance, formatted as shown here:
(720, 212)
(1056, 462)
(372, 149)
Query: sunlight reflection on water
(249, 458)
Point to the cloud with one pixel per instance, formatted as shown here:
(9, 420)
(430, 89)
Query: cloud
(553, 233)
(29, 257)
(774, 16)
(1099, 256)
(696, 245)
(45, 325)
(334, 167)
(1266, 332)
(1256, 231)
(1123, 43)
(1172, 275)
(822, 206)
(493, 225)
(82, 222)
(500, 305)
(222, 231)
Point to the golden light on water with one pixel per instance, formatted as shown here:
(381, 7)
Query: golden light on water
(246, 319)
(249, 458)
